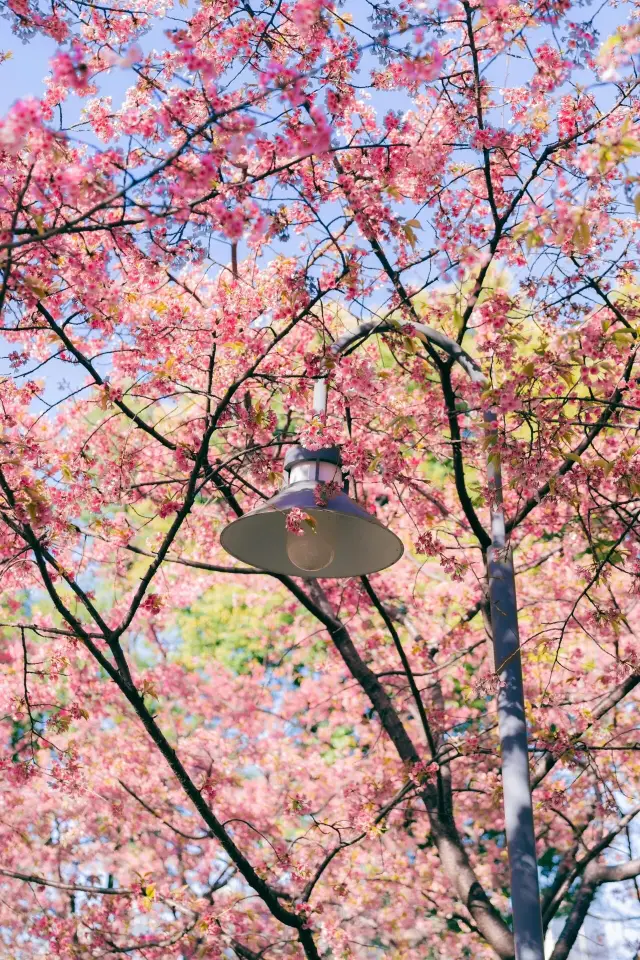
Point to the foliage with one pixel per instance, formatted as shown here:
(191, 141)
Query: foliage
(200, 760)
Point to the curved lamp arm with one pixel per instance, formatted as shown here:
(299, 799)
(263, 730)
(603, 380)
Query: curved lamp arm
(475, 373)
(451, 347)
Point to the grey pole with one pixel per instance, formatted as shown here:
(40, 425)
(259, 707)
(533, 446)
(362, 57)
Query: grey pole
(512, 725)
(516, 785)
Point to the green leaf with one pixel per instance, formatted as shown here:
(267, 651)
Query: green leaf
(410, 235)
(623, 337)
(629, 145)
(582, 236)
(532, 240)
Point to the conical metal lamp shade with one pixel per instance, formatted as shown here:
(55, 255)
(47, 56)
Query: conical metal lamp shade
(359, 543)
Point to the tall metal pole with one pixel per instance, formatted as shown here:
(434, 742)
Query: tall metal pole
(512, 723)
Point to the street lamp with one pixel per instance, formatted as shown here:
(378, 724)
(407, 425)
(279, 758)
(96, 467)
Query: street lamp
(350, 542)
(335, 537)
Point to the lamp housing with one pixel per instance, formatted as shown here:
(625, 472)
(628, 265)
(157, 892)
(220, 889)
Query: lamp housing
(339, 538)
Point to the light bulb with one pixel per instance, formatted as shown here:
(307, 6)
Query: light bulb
(309, 551)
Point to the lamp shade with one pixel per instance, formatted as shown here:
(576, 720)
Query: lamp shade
(342, 540)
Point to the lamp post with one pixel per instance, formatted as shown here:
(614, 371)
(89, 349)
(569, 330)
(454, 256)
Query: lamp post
(343, 540)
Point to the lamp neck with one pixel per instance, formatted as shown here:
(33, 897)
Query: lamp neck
(317, 470)
(324, 465)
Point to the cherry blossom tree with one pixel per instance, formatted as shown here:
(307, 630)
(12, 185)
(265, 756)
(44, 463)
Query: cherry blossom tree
(203, 760)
